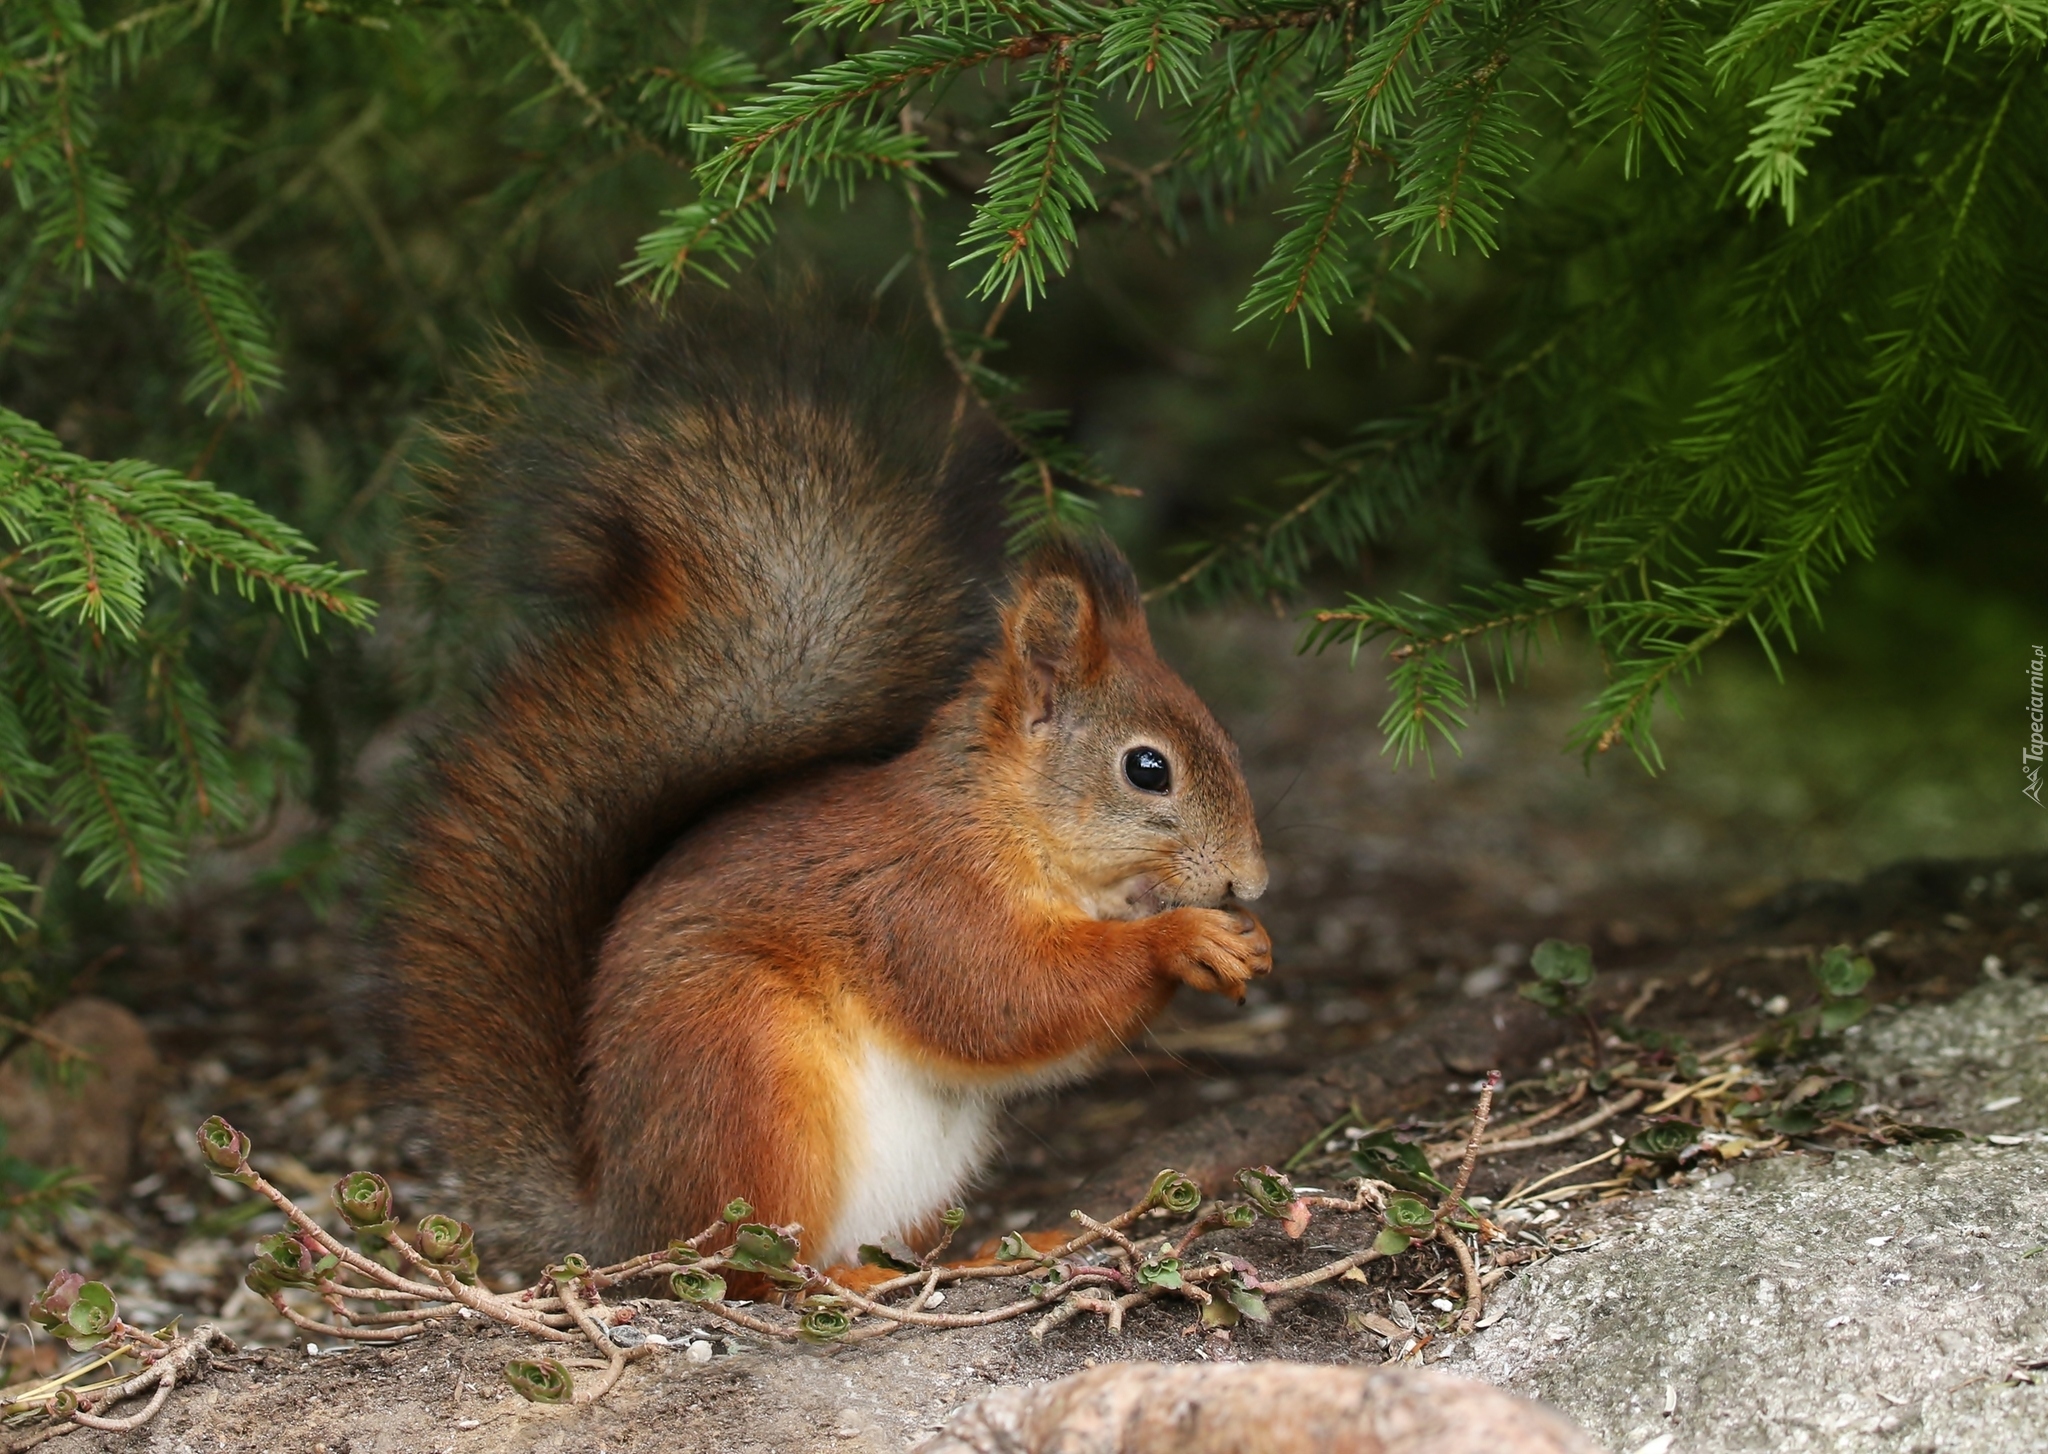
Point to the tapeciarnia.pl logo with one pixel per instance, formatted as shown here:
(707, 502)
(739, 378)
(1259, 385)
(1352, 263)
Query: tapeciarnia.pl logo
(2030, 760)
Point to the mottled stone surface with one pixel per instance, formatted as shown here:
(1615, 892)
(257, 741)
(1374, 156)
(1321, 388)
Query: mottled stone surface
(1877, 1301)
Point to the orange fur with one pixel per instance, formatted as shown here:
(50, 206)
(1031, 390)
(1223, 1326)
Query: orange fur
(779, 831)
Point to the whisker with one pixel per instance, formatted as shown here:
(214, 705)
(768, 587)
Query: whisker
(1274, 806)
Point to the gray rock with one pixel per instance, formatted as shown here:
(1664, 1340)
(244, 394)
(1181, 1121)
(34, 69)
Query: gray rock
(83, 1121)
(1979, 1063)
(1865, 1301)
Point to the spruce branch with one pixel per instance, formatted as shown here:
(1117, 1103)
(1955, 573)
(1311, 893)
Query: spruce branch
(700, 238)
(1024, 222)
(1158, 48)
(1308, 274)
(1355, 498)
(1379, 85)
(1797, 110)
(1036, 505)
(1244, 124)
(1461, 154)
(779, 137)
(228, 333)
(1649, 85)
(107, 730)
(706, 85)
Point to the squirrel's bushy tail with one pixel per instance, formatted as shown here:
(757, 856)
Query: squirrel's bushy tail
(726, 548)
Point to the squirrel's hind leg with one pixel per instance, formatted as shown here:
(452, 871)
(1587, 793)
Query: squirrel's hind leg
(704, 1088)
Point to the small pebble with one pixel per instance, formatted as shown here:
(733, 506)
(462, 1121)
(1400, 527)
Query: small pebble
(699, 1352)
(1442, 1304)
(935, 1299)
(627, 1335)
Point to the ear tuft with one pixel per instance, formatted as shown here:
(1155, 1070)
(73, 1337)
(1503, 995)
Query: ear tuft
(1052, 617)
(1069, 597)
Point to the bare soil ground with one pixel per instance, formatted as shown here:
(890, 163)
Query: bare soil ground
(1396, 897)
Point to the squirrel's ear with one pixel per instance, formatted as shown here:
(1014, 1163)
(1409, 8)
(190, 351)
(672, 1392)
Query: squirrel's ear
(1056, 631)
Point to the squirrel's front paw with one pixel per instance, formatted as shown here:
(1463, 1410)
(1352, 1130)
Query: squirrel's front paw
(1219, 950)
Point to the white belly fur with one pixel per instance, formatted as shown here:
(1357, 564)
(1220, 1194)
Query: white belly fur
(916, 1140)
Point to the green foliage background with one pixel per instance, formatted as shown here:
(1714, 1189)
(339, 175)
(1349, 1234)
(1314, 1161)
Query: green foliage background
(1719, 294)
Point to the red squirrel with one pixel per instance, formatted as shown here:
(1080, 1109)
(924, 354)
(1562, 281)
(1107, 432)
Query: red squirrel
(788, 833)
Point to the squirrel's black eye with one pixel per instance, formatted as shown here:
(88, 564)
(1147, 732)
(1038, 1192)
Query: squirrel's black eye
(1146, 768)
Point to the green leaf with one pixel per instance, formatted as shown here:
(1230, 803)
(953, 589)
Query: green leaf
(1567, 965)
(872, 1255)
(442, 1239)
(1246, 1300)
(364, 1200)
(1793, 1121)
(1837, 1099)
(760, 1248)
(1159, 1270)
(224, 1149)
(1383, 1156)
(92, 1316)
(1390, 1243)
(1052, 1277)
(1838, 1015)
(51, 1309)
(1842, 975)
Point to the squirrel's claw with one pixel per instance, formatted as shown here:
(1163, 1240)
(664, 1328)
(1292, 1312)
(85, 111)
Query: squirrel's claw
(1219, 951)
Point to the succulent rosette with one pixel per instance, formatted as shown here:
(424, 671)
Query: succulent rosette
(1175, 1192)
(540, 1380)
(692, 1285)
(82, 1313)
(288, 1259)
(824, 1321)
(1408, 1221)
(225, 1151)
(1270, 1191)
(447, 1244)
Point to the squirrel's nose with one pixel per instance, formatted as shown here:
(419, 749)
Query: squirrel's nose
(1249, 880)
